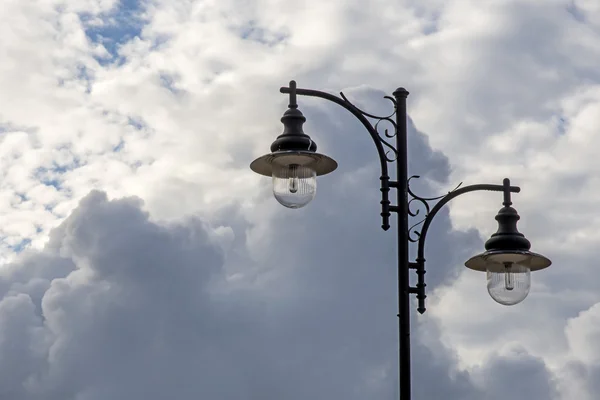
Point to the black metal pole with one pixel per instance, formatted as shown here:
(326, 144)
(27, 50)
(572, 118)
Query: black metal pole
(403, 271)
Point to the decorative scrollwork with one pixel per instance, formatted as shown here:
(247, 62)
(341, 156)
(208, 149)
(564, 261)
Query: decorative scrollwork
(391, 148)
(386, 132)
(366, 114)
(424, 203)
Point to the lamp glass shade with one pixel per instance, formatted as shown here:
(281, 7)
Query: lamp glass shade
(294, 186)
(508, 284)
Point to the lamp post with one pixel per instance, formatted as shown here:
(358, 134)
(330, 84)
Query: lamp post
(294, 164)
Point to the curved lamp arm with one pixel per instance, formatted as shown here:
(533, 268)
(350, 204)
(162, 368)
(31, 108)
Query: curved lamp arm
(419, 264)
(355, 111)
(377, 139)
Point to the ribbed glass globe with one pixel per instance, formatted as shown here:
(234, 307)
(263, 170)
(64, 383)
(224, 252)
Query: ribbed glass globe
(508, 284)
(294, 186)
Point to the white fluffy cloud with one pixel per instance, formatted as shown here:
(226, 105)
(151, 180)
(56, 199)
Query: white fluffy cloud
(208, 289)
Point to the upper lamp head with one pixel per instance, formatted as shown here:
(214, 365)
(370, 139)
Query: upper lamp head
(293, 147)
(293, 162)
(507, 260)
(507, 245)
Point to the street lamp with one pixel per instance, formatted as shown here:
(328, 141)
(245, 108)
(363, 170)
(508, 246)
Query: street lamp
(294, 164)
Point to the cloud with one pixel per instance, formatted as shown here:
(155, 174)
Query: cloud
(295, 304)
(168, 101)
(110, 294)
(520, 376)
(119, 306)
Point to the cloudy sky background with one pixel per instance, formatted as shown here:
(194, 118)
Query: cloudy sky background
(142, 259)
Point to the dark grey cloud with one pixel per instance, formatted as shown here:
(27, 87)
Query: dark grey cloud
(519, 376)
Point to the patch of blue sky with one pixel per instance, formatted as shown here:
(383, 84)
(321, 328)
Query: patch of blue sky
(22, 245)
(48, 177)
(123, 23)
(169, 82)
(251, 31)
(119, 146)
(52, 176)
(7, 127)
(575, 11)
(431, 26)
(429, 19)
(137, 123)
(84, 75)
(562, 125)
(22, 196)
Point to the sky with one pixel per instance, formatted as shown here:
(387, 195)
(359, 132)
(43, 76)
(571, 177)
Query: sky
(142, 259)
